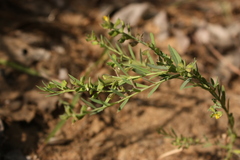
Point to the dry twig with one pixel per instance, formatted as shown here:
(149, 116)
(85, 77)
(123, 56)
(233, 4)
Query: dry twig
(221, 58)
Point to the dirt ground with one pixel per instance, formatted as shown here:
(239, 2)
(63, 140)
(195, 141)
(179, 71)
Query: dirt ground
(49, 37)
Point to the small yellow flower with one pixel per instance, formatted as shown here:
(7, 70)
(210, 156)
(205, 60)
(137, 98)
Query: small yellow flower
(217, 115)
(106, 18)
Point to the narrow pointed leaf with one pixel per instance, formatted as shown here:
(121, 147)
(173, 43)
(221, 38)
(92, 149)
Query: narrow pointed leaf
(56, 128)
(212, 82)
(109, 97)
(183, 86)
(74, 79)
(153, 90)
(139, 70)
(88, 103)
(55, 82)
(127, 81)
(140, 85)
(75, 99)
(119, 66)
(175, 56)
(223, 95)
(41, 88)
(131, 52)
(96, 111)
(189, 87)
(122, 104)
(55, 94)
(99, 102)
(141, 59)
(118, 93)
(154, 76)
(157, 67)
(108, 42)
(174, 133)
(119, 49)
(152, 39)
(150, 58)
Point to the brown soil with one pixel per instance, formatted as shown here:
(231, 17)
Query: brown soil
(60, 29)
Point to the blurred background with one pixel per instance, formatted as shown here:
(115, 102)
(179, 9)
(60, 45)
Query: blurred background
(45, 40)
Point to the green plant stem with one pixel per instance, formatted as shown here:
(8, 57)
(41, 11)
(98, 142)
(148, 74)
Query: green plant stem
(19, 67)
(127, 97)
(231, 133)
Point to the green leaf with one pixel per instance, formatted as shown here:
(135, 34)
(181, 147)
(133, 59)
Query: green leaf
(154, 76)
(109, 97)
(139, 70)
(79, 116)
(152, 39)
(57, 128)
(55, 94)
(88, 103)
(141, 85)
(100, 85)
(136, 90)
(123, 104)
(113, 33)
(98, 110)
(129, 29)
(83, 109)
(189, 87)
(99, 102)
(118, 93)
(74, 80)
(141, 58)
(44, 84)
(150, 58)
(223, 95)
(157, 67)
(174, 133)
(216, 83)
(64, 83)
(96, 100)
(131, 52)
(57, 83)
(119, 49)
(118, 65)
(153, 90)
(117, 23)
(75, 99)
(127, 81)
(41, 88)
(106, 42)
(52, 85)
(183, 86)
(95, 42)
(219, 91)
(175, 56)
(212, 81)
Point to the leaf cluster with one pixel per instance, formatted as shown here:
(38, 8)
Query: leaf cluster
(128, 70)
(180, 141)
